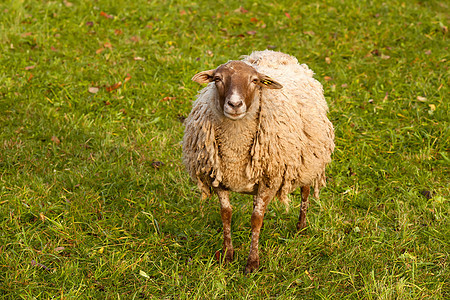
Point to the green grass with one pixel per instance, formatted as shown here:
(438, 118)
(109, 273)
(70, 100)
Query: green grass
(88, 211)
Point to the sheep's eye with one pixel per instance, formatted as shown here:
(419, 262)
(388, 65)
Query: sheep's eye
(255, 80)
(216, 79)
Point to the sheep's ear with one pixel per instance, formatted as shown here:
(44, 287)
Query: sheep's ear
(267, 82)
(204, 77)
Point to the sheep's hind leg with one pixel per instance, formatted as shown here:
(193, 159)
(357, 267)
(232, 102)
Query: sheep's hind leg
(255, 200)
(301, 225)
(225, 213)
(262, 199)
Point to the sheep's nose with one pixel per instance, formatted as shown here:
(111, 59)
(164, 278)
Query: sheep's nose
(235, 104)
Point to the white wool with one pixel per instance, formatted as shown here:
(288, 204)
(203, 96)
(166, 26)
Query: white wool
(286, 134)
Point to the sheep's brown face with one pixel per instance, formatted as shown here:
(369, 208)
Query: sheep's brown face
(237, 85)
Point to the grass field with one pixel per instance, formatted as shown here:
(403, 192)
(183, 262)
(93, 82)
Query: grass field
(94, 199)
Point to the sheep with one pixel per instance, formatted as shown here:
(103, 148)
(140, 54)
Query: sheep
(259, 127)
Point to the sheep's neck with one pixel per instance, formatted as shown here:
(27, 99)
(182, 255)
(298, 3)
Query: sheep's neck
(235, 140)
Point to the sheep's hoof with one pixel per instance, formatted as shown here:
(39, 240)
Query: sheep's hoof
(252, 266)
(228, 255)
(301, 228)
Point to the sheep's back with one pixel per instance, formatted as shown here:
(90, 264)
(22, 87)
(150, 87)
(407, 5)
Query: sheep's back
(295, 138)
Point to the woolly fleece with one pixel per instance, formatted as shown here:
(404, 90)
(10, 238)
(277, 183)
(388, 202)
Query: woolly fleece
(286, 133)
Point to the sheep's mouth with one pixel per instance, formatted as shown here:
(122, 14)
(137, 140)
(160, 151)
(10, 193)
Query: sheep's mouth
(235, 113)
(234, 116)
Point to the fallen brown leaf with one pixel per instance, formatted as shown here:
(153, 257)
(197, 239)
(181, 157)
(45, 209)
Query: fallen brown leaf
(241, 10)
(93, 90)
(103, 14)
(421, 99)
(56, 140)
(114, 86)
(309, 32)
(135, 39)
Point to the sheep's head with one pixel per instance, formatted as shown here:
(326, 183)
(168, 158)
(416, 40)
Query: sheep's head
(237, 84)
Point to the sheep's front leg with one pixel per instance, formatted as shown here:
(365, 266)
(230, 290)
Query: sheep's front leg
(304, 207)
(225, 213)
(262, 199)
